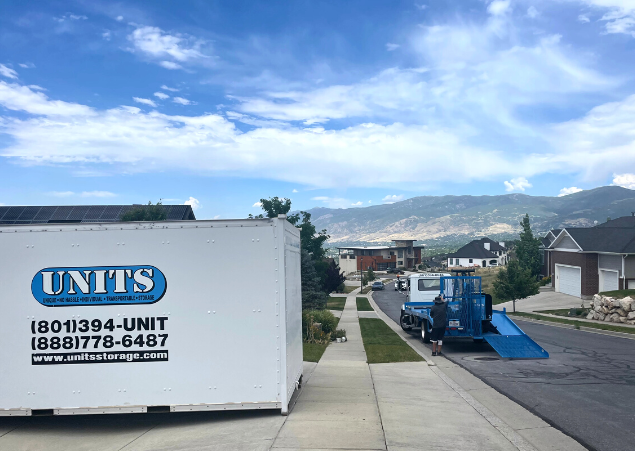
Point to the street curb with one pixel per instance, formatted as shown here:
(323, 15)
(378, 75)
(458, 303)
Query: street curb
(571, 326)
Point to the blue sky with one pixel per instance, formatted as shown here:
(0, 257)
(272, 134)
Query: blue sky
(331, 103)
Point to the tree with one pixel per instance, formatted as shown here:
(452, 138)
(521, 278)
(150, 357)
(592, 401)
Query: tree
(145, 213)
(276, 206)
(334, 277)
(312, 295)
(528, 249)
(370, 275)
(515, 282)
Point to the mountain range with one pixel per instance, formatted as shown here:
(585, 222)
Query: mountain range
(442, 221)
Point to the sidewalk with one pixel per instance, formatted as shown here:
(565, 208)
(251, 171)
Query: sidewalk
(545, 300)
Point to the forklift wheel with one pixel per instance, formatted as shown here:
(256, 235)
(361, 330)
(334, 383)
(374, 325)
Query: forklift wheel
(425, 334)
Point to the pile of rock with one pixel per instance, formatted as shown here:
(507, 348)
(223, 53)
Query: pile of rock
(608, 309)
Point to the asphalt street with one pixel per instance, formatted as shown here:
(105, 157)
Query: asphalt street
(586, 388)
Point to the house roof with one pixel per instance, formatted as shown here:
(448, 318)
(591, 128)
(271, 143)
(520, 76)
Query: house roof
(494, 245)
(623, 222)
(82, 213)
(473, 249)
(610, 239)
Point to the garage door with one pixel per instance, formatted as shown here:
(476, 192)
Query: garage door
(568, 280)
(608, 280)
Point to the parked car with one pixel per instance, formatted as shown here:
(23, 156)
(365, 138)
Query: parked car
(394, 271)
(378, 285)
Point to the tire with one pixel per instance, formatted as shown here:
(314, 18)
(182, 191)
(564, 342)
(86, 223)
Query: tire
(405, 327)
(425, 335)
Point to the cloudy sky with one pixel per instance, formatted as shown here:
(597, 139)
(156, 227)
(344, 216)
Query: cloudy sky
(330, 103)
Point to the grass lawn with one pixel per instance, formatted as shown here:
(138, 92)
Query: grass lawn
(363, 305)
(336, 303)
(581, 313)
(350, 288)
(619, 293)
(383, 345)
(488, 275)
(577, 324)
(366, 290)
(313, 352)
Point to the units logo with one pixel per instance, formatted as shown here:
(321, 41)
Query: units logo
(101, 285)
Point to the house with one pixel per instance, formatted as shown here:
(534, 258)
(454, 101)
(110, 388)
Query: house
(380, 258)
(585, 261)
(482, 253)
(51, 214)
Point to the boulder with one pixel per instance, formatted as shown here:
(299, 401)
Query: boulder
(604, 310)
(623, 319)
(615, 318)
(592, 314)
(630, 321)
(627, 303)
(621, 312)
(601, 316)
(597, 298)
(615, 303)
(597, 308)
(631, 316)
(607, 318)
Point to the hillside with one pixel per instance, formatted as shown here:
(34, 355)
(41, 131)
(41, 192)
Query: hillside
(448, 220)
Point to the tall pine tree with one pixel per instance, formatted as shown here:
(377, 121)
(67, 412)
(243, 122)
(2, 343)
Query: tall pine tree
(528, 249)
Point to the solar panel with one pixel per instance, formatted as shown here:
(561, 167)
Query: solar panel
(6, 222)
(29, 213)
(79, 212)
(13, 213)
(45, 213)
(3, 210)
(61, 213)
(176, 212)
(94, 212)
(111, 213)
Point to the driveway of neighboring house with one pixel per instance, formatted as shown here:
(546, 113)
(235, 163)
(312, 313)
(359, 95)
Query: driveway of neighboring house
(545, 300)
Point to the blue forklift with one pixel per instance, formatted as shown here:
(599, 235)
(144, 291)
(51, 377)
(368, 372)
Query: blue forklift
(470, 315)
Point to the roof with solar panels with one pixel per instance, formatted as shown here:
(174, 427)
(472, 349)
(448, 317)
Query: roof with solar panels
(65, 214)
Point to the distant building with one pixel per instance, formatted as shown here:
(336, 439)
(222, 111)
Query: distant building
(482, 253)
(65, 214)
(380, 258)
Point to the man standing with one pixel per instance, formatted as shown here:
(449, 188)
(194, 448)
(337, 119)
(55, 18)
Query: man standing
(439, 318)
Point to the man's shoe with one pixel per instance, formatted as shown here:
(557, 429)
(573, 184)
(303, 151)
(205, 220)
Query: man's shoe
(434, 354)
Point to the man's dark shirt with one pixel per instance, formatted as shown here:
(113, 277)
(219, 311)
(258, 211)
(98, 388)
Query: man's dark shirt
(439, 315)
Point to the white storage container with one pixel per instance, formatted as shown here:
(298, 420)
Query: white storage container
(120, 317)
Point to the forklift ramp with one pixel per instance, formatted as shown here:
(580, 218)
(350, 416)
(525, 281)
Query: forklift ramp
(512, 341)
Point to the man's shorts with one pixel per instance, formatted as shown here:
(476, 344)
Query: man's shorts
(437, 335)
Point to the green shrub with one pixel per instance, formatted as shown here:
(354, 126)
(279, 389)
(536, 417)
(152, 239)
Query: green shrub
(318, 325)
(340, 288)
(545, 281)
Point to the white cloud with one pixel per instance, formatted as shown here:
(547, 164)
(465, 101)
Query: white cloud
(36, 88)
(119, 18)
(98, 194)
(193, 202)
(217, 217)
(619, 15)
(390, 47)
(77, 17)
(391, 199)
(583, 18)
(517, 184)
(532, 12)
(170, 65)
(27, 65)
(567, 191)
(167, 49)
(22, 98)
(166, 88)
(498, 7)
(61, 193)
(624, 180)
(106, 35)
(144, 101)
(357, 204)
(161, 95)
(182, 101)
(257, 204)
(7, 72)
(294, 190)
(420, 6)
(333, 202)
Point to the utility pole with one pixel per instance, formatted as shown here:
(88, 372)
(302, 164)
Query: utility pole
(361, 273)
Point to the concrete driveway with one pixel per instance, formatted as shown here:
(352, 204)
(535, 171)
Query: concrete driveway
(545, 300)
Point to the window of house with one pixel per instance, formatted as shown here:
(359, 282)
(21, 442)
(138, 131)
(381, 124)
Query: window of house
(392, 253)
(471, 260)
(451, 261)
(400, 254)
(400, 263)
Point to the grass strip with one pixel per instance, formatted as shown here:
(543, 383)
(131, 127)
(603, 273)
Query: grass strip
(618, 293)
(363, 305)
(366, 290)
(350, 288)
(313, 351)
(383, 345)
(575, 323)
(336, 303)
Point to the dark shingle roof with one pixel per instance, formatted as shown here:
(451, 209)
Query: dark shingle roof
(610, 239)
(473, 249)
(624, 221)
(82, 213)
(494, 246)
